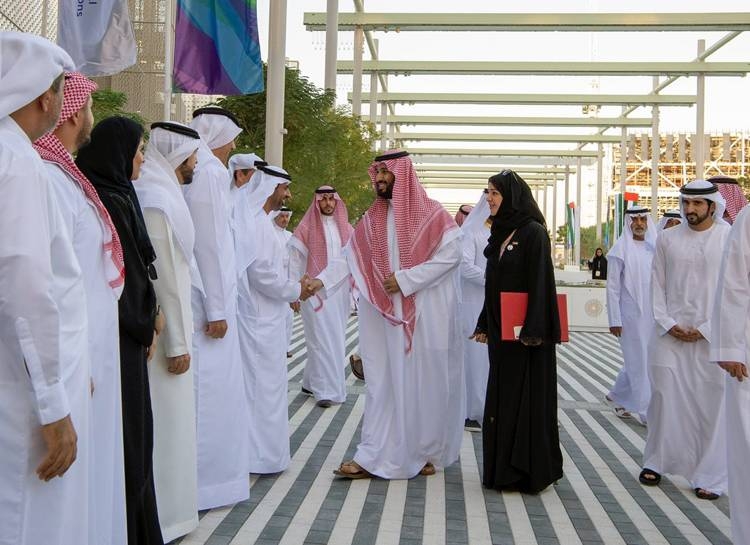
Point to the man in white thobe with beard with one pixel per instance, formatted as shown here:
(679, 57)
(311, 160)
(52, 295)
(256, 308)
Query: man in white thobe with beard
(220, 398)
(169, 163)
(475, 230)
(629, 308)
(686, 427)
(99, 252)
(729, 347)
(280, 220)
(316, 251)
(264, 296)
(44, 352)
(404, 256)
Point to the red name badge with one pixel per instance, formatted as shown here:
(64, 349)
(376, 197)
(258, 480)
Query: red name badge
(513, 308)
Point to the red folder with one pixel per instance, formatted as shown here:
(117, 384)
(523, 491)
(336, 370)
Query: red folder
(513, 307)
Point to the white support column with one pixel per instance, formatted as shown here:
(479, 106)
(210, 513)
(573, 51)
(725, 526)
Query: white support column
(383, 126)
(168, 35)
(332, 33)
(374, 90)
(699, 153)
(554, 213)
(577, 243)
(568, 256)
(655, 152)
(623, 169)
(599, 192)
(545, 200)
(359, 42)
(274, 151)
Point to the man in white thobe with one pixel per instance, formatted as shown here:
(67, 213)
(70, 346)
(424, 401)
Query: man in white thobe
(316, 251)
(98, 250)
(729, 347)
(220, 397)
(475, 230)
(629, 308)
(686, 428)
(170, 163)
(44, 352)
(404, 256)
(280, 220)
(264, 296)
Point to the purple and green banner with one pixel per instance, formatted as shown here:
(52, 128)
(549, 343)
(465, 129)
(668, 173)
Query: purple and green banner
(570, 222)
(216, 48)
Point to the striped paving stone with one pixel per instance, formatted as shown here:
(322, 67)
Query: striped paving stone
(598, 501)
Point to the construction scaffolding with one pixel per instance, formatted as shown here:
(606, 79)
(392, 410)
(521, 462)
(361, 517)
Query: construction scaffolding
(725, 154)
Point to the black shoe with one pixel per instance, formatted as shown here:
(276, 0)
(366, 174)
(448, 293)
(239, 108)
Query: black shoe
(289, 354)
(472, 425)
(324, 403)
(306, 391)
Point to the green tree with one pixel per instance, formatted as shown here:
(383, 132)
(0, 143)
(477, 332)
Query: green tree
(324, 144)
(589, 242)
(108, 103)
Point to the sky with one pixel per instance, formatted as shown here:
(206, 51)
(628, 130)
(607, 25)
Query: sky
(727, 98)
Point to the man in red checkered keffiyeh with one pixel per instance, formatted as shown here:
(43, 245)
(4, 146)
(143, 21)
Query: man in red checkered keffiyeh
(316, 250)
(76, 102)
(99, 254)
(404, 257)
(733, 195)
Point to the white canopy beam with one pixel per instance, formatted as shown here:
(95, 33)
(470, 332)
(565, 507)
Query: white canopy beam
(534, 22)
(545, 68)
(479, 137)
(535, 98)
(447, 120)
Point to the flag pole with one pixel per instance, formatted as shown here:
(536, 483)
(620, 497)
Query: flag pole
(168, 39)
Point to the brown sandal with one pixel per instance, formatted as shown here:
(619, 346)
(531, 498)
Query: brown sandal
(428, 469)
(358, 369)
(358, 473)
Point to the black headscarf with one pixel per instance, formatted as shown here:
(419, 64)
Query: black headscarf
(517, 209)
(108, 162)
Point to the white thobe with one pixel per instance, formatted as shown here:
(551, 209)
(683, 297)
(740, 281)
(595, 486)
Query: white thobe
(476, 359)
(283, 236)
(107, 474)
(172, 397)
(221, 405)
(686, 427)
(44, 361)
(325, 328)
(632, 389)
(265, 294)
(731, 327)
(414, 403)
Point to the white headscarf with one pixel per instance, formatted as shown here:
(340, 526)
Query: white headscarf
(216, 130)
(275, 213)
(625, 247)
(701, 189)
(248, 206)
(159, 188)
(476, 218)
(668, 215)
(28, 66)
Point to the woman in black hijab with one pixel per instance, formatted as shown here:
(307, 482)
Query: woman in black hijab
(598, 265)
(520, 438)
(111, 160)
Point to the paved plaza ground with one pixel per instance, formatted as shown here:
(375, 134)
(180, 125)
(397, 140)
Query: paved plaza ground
(598, 501)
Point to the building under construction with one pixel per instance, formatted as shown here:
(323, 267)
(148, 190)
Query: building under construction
(725, 154)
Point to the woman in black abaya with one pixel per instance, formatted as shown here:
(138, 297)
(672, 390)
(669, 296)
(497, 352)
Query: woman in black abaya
(520, 437)
(111, 160)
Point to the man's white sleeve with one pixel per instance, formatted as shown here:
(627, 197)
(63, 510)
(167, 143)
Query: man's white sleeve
(659, 288)
(614, 291)
(424, 275)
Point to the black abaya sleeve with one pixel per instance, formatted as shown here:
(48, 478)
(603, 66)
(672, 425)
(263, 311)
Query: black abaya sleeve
(137, 305)
(482, 321)
(542, 319)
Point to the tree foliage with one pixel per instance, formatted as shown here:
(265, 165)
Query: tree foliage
(324, 144)
(589, 242)
(108, 103)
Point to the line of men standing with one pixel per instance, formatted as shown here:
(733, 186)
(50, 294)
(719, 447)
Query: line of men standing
(146, 290)
(676, 297)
